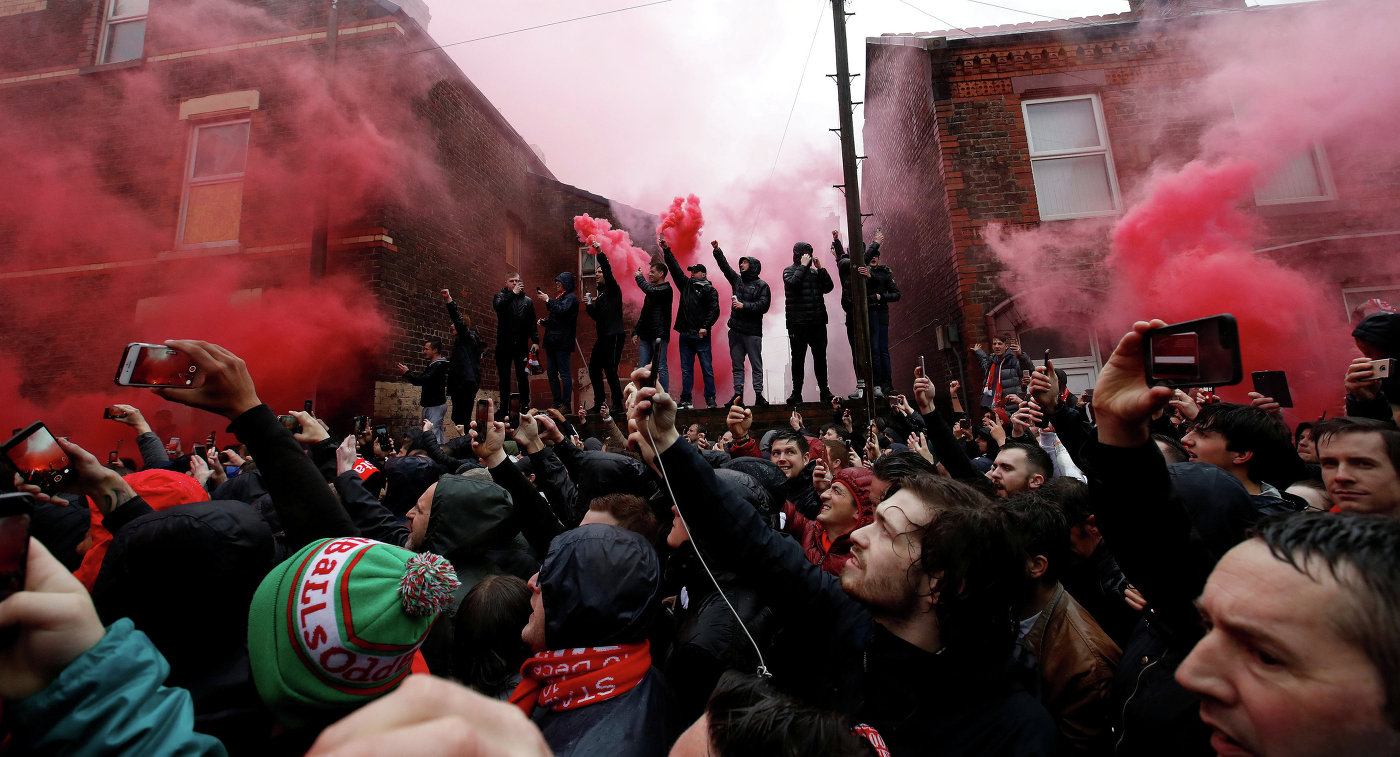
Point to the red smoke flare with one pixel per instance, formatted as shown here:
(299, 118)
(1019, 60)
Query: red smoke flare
(681, 225)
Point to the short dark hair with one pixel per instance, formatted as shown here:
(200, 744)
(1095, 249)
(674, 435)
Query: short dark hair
(631, 512)
(1041, 528)
(1248, 429)
(1072, 497)
(1331, 427)
(898, 467)
(699, 426)
(1359, 551)
(1175, 451)
(434, 342)
(657, 265)
(788, 435)
(1037, 459)
(750, 717)
(1298, 432)
(968, 546)
(486, 646)
(838, 428)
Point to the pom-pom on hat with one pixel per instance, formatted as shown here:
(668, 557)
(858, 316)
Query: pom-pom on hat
(337, 625)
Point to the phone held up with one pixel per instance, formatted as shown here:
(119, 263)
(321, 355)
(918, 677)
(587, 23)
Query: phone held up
(650, 380)
(15, 508)
(1203, 352)
(36, 455)
(1273, 384)
(146, 364)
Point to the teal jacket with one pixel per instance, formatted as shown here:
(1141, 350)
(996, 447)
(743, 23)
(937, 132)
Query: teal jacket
(110, 701)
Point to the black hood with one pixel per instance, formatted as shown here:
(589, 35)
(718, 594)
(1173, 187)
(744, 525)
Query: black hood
(751, 491)
(611, 473)
(1382, 330)
(601, 585)
(471, 525)
(800, 249)
(755, 267)
(1220, 507)
(408, 477)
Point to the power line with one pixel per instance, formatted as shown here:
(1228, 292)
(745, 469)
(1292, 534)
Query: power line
(939, 20)
(821, 13)
(539, 26)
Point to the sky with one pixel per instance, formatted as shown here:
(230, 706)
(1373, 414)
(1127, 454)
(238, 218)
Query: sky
(689, 96)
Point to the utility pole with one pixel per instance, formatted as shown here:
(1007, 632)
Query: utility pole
(321, 212)
(860, 311)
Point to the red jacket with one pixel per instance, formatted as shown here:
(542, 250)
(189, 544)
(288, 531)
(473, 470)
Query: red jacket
(830, 555)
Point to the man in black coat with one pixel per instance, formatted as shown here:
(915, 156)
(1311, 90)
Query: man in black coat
(805, 283)
(515, 335)
(560, 328)
(880, 291)
(695, 317)
(655, 320)
(464, 365)
(606, 312)
(748, 303)
(433, 379)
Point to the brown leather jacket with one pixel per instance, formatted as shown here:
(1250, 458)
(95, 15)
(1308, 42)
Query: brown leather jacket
(1077, 662)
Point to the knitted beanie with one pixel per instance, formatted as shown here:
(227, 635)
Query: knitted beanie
(338, 624)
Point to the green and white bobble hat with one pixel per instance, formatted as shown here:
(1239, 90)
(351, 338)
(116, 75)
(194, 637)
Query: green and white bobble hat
(337, 625)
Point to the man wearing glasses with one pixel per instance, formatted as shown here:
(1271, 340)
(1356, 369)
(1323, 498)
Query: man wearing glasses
(516, 337)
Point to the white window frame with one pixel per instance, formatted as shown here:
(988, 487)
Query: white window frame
(189, 180)
(109, 20)
(1324, 177)
(1105, 149)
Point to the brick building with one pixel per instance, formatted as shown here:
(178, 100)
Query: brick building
(167, 140)
(952, 122)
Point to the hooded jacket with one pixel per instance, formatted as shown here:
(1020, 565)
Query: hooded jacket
(600, 586)
(832, 555)
(752, 291)
(149, 576)
(515, 321)
(654, 322)
(699, 307)
(606, 309)
(804, 289)
(472, 524)
(561, 324)
(464, 364)
(881, 281)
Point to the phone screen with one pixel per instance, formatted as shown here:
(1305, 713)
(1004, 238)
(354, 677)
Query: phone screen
(361, 423)
(483, 415)
(1194, 353)
(38, 457)
(1273, 384)
(200, 451)
(381, 435)
(14, 541)
(514, 418)
(157, 365)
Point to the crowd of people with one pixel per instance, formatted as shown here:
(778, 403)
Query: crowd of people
(1145, 572)
(675, 300)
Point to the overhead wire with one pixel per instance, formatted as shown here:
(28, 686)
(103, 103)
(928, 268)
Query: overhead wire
(821, 13)
(540, 26)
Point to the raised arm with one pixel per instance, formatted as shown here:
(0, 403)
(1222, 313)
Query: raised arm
(730, 275)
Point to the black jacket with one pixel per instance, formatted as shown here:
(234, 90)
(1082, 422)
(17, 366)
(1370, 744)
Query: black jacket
(752, 292)
(464, 365)
(606, 309)
(561, 324)
(655, 320)
(846, 660)
(602, 586)
(433, 379)
(699, 307)
(880, 289)
(515, 322)
(804, 288)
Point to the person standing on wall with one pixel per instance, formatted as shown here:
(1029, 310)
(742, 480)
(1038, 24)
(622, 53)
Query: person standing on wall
(696, 315)
(516, 336)
(606, 312)
(806, 283)
(749, 301)
(433, 379)
(464, 364)
(560, 329)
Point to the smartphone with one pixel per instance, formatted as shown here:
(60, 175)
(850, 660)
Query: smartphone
(514, 418)
(381, 435)
(174, 445)
(483, 415)
(113, 413)
(1046, 363)
(651, 367)
(113, 458)
(923, 367)
(588, 298)
(15, 508)
(223, 458)
(209, 442)
(200, 451)
(1383, 368)
(537, 289)
(157, 365)
(1273, 384)
(1204, 351)
(290, 423)
(307, 405)
(361, 424)
(38, 457)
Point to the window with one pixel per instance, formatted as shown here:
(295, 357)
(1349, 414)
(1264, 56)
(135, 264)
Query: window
(1303, 179)
(1070, 159)
(213, 200)
(123, 30)
(515, 240)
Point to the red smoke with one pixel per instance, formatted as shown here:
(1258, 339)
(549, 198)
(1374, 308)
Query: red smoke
(681, 225)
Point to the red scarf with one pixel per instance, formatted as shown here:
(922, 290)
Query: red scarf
(566, 679)
(993, 383)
